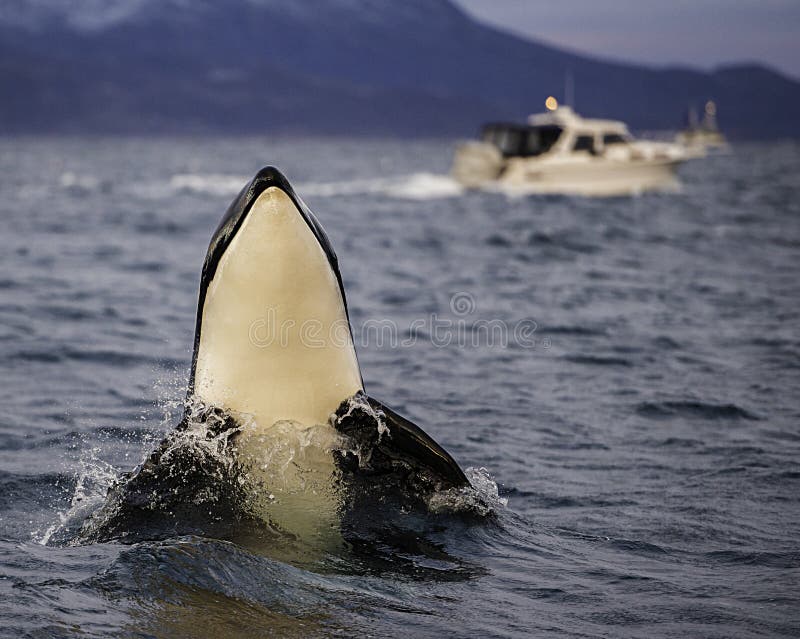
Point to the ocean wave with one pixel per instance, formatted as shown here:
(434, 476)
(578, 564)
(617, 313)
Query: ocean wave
(84, 184)
(597, 360)
(693, 409)
(208, 184)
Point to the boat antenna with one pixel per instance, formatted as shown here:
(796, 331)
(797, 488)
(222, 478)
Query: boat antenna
(569, 88)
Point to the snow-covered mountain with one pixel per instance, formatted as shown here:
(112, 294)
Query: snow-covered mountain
(88, 15)
(368, 66)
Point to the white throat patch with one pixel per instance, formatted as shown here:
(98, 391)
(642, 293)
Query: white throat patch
(274, 343)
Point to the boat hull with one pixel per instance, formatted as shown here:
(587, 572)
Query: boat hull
(590, 176)
(596, 177)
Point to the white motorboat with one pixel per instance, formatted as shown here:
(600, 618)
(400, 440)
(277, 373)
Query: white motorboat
(560, 152)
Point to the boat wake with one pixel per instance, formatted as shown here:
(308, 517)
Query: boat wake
(414, 186)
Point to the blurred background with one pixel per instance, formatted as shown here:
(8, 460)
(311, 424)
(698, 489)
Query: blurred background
(420, 67)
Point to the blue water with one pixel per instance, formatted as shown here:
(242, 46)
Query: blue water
(646, 434)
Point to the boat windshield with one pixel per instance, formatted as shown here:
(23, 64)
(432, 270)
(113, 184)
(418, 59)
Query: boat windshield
(613, 138)
(584, 143)
(521, 141)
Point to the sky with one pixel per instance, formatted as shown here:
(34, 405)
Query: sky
(698, 33)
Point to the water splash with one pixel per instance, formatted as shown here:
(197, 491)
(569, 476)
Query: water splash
(94, 478)
(481, 497)
(217, 472)
(352, 406)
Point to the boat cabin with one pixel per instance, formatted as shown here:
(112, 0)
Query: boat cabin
(561, 131)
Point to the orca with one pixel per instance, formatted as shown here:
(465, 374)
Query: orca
(273, 364)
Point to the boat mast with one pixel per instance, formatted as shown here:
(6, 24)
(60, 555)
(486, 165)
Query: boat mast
(569, 89)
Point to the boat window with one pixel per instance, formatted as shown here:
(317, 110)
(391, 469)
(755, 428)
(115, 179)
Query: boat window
(541, 139)
(584, 143)
(521, 141)
(613, 138)
(508, 141)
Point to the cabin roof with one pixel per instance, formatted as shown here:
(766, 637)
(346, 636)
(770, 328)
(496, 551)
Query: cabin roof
(565, 117)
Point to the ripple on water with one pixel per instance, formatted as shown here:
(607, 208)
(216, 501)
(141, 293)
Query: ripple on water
(693, 409)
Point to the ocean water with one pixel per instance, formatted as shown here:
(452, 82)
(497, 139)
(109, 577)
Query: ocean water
(626, 370)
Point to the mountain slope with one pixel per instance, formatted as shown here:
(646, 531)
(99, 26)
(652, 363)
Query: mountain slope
(349, 66)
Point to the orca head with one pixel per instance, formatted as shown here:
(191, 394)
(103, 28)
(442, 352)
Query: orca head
(272, 336)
